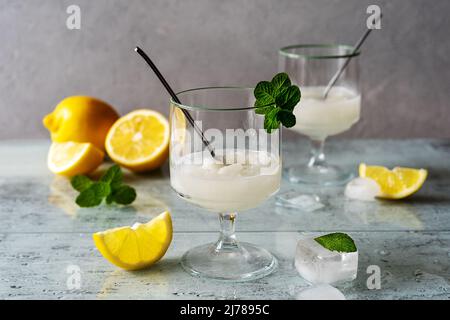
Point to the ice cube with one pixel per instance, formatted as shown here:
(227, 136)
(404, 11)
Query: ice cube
(305, 202)
(317, 264)
(211, 164)
(231, 170)
(362, 189)
(320, 292)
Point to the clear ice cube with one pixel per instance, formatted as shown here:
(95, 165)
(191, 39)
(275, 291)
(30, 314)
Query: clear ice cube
(317, 264)
(304, 202)
(320, 292)
(362, 189)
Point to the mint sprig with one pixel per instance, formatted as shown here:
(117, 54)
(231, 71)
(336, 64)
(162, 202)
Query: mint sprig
(109, 187)
(339, 242)
(276, 100)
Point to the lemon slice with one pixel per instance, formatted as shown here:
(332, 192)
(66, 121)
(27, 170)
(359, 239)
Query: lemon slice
(72, 158)
(397, 183)
(139, 140)
(178, 125)
(136, 247)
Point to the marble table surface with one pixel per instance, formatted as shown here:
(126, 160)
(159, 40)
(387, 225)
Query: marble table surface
(44, 236)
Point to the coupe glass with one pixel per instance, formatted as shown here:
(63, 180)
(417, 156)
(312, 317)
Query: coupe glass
(311, 67)
(240, 170)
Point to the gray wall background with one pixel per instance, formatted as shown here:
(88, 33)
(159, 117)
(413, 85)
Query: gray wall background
(405, 66)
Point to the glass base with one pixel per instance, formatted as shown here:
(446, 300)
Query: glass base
(243, 262)
(319, 175)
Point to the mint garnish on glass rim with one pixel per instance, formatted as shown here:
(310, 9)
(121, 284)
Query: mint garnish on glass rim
(339, 242)
(276, 100)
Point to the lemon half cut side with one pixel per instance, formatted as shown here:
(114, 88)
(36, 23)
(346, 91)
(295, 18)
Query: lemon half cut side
(139, 140)
(72, 158)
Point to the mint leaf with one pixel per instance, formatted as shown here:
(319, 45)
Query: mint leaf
(339, 242)
(264, 110)
(289, 99)
(280, 82)
(109, 187)
(271, 121)
(264, 94)
(81, 183)
(113, 176)
(286, 118)
(94, 195)
(124, 195)
(110, 198)
(276, 100)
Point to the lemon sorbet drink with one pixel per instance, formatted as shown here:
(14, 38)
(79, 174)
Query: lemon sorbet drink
(222, 159)
(242, 181)
(322, 113)
(319, 118)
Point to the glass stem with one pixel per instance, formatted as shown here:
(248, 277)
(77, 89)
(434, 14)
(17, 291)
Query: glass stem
(317, 153)
(227, 240)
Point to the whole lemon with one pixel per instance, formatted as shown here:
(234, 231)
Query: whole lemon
(81, 119)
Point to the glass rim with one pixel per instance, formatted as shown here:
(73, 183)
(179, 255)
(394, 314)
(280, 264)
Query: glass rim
(284, 51)
(206, 108)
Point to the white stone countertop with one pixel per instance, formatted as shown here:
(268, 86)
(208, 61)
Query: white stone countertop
(43, 232)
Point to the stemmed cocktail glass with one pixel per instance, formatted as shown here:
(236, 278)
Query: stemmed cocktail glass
(239, 170)
(311, 67)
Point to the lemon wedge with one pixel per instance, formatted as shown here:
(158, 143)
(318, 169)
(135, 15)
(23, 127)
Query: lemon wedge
(136, 247)
(72, 158)
(139, 140)
(179, 125)
(397, 183)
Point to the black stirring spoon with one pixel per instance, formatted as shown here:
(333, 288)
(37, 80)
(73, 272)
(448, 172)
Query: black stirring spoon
(356, 47)
(175, 98)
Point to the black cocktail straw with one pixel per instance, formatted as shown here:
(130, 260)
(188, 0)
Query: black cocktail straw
(175, 98)
(342, 68)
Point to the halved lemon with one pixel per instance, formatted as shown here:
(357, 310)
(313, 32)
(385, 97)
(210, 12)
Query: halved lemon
(136, 247)
(397, 183)
(72, 158)
(139, 140)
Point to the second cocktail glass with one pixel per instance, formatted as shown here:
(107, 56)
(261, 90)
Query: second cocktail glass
(242, 172)
(311, 67)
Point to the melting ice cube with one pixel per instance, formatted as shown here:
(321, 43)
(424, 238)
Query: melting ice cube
(211, 164)
(317, 264)
(305, 202)
(320, 292)
(362, 189)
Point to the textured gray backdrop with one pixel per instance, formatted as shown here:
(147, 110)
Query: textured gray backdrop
(405, 73)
